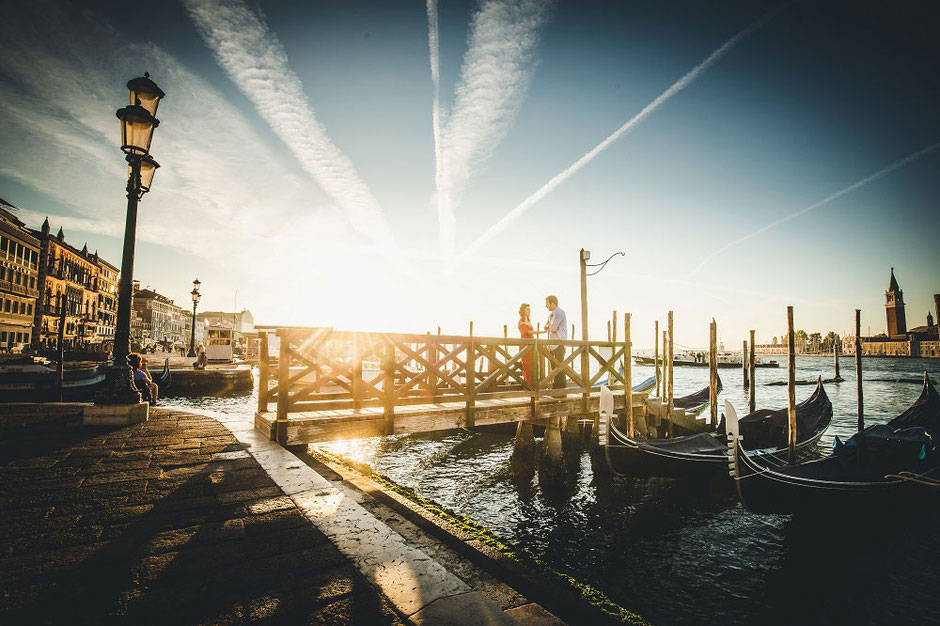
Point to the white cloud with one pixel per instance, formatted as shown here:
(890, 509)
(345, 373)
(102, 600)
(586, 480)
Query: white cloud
(494, 78)
(256, 62)
(657, 102)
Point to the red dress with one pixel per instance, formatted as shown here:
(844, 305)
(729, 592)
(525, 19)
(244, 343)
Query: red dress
(525, 331)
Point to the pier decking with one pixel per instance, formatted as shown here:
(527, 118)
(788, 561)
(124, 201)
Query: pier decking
(333, 385)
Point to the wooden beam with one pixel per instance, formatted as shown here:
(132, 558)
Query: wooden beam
(471, 378)
(752, 405)
(744, 364)
(713, 373)
(656, 357)
(669, 402)
(264, 375)
(791, 388)
(283, 385)
(858, 368)
(628, 372)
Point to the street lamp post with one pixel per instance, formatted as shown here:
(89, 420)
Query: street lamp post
(137, 124)
(192, 335)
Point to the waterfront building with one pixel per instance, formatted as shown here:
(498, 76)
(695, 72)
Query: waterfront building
(108, 276)
(160, 321)
(920, 341)
(19, 280)
(69, 279)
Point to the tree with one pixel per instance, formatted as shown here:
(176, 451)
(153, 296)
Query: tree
(815, 341)
(830, 341)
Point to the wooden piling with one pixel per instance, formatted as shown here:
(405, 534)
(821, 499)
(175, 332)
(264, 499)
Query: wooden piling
(608, 330)
(388, 387)
(264, 373)
(752, 404)
(665, 364)
(858, 368)
(744, 364)
(283, 385)
(713, 373)
(791, 388)
(656, 357)
(669, 406)
(836, 346)
(535, 367)
(471, 378)
(628, 372)
(505, 331)
(357, 382)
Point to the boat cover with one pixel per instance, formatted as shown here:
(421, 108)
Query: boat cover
(694, 399)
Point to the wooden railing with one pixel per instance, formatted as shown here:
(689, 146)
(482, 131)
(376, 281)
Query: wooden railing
(322, 369)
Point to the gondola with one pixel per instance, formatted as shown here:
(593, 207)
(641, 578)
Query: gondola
(706, 454)
(645, 385)
(887, 467)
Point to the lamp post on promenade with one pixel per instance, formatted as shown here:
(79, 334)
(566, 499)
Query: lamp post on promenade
(192, 335)
(138, 122)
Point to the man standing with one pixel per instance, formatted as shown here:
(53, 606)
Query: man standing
(557, 328)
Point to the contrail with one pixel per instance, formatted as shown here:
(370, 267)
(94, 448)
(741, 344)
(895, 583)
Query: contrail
(434, 51)
(256, 62)
(879, 174)
(675, 88)
(494, 77)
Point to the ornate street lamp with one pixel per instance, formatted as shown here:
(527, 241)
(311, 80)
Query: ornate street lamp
(192, 335)
(138, 122)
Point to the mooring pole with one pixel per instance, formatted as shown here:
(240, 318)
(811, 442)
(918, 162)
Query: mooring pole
(752, 405)
(791, 387)
(656, 357)
(858, 368)
(628, 372)
(713, 372)
(744, 364)
(835, 357)
(669, 405)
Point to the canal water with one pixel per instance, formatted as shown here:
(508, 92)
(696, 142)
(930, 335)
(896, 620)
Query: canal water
(689, 553)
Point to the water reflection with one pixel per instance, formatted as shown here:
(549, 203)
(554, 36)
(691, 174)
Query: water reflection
(688, 552)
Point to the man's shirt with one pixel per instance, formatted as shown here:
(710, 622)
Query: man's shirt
(557, 325)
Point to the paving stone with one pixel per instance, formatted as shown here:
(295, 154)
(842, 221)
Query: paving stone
(167, 521)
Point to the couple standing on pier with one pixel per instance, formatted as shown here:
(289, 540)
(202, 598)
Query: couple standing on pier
(556, 327)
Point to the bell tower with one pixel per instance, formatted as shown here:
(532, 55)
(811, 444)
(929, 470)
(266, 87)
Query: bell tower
(894, 308)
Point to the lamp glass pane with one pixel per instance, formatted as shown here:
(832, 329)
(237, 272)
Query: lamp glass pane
(137, 133)
(149, 101)
(146, 173)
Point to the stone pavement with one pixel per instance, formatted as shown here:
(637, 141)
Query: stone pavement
(168, 521)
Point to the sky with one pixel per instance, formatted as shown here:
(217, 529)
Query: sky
(399, 166)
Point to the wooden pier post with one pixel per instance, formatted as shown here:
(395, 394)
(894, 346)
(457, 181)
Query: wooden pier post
(669, 405)
(713, 373)
(388, 387)
(357, 382)
(656, 357)
(744, 364)
(752, 404)
(535, 368)
(628, 372)
(264, 374)
(836, 346)
(614, 335)
(858, 368)
(505, 331)
(608, 330)
(283, 385)
(471, 379)
(791, 388)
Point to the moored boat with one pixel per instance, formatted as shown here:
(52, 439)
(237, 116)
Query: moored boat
(700, 359)
(887, 467)
(706, 454)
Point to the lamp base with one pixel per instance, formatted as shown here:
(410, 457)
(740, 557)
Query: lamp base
(119, 387)
(116, 414)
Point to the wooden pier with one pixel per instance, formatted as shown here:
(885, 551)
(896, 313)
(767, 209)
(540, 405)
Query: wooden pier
(322, 384)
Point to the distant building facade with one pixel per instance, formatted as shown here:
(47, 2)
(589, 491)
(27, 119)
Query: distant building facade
(159, 320)
(19, 280)
(71, 280)
(243, 323)
(920, 341)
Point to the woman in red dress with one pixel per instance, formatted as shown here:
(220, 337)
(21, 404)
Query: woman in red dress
(525, 331)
